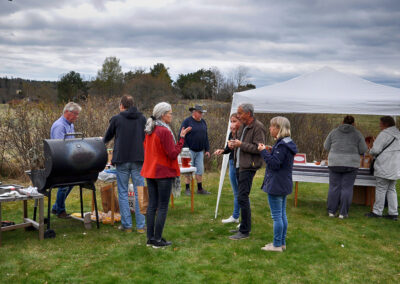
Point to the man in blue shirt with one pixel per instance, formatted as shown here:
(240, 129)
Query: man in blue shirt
(62, 126)
(197, 141)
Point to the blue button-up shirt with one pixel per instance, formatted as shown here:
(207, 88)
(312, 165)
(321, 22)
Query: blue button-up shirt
(60, 127)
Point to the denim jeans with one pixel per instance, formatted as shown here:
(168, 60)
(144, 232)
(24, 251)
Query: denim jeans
(124, 171)
(234, 184)
(62, 194)
(277, 203)
(245, 181)
(198, 161)
(159, 193)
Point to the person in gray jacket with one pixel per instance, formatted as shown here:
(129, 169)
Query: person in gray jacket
(345, 145)
(386, 149)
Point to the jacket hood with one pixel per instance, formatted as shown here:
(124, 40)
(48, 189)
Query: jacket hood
(131, 113)
(288, 143)
(392, 131)
(346, 128)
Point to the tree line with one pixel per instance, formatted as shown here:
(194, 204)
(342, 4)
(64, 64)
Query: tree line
(146, 86)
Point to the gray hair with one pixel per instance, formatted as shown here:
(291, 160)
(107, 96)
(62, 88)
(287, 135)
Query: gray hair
(283, 124)
(158, 111)
(71, 106)
(247, 108)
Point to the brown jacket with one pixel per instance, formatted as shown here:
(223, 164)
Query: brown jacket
(250, 158)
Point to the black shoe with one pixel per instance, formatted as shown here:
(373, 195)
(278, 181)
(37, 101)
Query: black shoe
(392, 217)
(239, 236)
(188, 192)
(203, 191)
(372, 215)
(150, 243)
(234, 231)
(161, 244)
(53, 211)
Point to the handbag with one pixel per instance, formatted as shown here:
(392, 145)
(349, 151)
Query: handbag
(371, 166)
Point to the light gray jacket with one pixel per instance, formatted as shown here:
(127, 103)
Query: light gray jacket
(387, 165)
(345, 145)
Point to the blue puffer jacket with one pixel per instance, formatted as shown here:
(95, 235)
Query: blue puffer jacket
(278, 173)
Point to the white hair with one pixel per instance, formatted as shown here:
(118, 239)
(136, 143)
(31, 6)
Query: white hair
(158, 111)
(71, 106)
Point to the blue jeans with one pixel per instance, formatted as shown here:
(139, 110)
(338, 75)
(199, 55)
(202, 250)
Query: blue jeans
(62, 194)
(124, 171)
(159, 193)
(234, 184)
(198, 161)
(277, 203)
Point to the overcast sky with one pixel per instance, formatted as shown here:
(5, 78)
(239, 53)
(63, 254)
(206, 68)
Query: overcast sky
(275, 40)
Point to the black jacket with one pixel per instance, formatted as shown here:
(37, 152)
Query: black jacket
(127, 128)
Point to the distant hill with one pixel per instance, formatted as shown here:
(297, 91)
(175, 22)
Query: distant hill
(17, 89)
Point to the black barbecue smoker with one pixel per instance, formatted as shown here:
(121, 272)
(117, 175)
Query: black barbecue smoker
(70, 162)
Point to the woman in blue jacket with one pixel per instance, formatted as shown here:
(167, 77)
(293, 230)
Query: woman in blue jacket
(278, 178)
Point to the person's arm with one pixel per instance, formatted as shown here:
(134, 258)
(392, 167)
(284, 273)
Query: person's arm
(274, 160)
(362, 146)
(259, 137)
(380, 142)
(110, 133)
(58, 132)
(328, 142)
(171, 149)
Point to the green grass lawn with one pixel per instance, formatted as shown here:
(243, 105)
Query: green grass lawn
(319, 249)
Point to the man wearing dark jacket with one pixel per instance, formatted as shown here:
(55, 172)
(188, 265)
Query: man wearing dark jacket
(248, 161)
(128, 130)
(197, 141)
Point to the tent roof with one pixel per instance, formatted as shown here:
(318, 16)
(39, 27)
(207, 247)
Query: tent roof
(323, 91)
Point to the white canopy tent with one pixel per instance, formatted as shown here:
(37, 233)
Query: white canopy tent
(323, 91)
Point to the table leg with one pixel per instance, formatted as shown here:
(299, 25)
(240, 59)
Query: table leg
(172, 200)
(192, 194)
(296, 189)
(41, 219)
(25, 206)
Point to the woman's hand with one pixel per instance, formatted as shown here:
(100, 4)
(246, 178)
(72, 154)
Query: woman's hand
(218, 152)
(184, 131)
(261, 147)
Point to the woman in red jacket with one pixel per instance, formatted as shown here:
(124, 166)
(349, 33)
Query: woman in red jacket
(160, 168)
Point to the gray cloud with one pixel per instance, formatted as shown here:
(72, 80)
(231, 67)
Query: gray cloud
(277, 40)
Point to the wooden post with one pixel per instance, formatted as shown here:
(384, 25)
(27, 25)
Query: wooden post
(296, 189)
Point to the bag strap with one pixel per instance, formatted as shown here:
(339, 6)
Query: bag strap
(385, 147)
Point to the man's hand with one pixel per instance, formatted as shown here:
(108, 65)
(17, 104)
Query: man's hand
(235, 143)
(208, 154)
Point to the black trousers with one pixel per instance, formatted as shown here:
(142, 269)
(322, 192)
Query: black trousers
(245, 181)
(159, 193)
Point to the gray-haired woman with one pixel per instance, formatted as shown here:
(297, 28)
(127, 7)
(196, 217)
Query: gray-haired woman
(345, 145)
(160, 168)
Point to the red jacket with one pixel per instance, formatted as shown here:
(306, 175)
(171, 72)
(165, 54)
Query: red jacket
(160, 154)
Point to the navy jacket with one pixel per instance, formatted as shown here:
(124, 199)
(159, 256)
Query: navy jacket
(128, 129)
(197, 138)
(278, 173)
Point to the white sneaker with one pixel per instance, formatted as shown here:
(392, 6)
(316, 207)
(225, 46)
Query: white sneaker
(238, 226)
(342, 217)
(230, 220)
(331, 215)
(270, 247)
